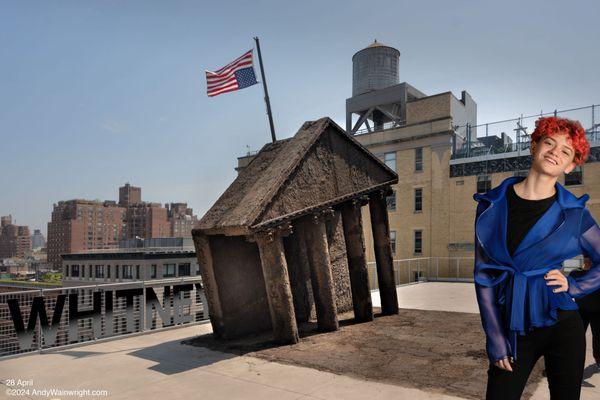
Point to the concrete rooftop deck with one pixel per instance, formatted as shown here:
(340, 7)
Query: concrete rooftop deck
(156, 364)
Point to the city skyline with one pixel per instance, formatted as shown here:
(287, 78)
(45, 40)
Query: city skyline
(97, 94)
(43, 230)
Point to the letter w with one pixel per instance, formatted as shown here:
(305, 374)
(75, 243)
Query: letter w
(38, 310)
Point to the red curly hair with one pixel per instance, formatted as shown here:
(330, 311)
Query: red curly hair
(550, 126)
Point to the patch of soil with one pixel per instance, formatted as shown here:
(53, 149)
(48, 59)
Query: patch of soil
(435, 351)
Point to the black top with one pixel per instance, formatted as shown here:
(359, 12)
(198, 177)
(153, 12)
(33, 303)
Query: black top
(522, 215)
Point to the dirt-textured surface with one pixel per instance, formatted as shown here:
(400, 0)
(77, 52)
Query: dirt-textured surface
(435, 351)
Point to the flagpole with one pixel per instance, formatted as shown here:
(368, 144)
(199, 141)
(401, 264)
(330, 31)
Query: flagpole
(264, 81)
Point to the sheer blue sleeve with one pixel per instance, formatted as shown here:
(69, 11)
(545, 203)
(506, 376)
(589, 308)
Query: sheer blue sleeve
(497, 344)
(589, 240)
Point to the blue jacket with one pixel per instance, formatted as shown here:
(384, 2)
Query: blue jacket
(511, 291)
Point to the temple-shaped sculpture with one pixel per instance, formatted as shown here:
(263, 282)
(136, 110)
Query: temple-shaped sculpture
(285, 240)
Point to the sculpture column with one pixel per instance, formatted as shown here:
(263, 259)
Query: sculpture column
(357, 261)
(277, 283)
(314, 233)
(383, 252)
(299, 272)
(209, 284)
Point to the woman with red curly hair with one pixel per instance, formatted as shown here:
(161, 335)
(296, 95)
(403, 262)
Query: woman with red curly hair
(524, 229)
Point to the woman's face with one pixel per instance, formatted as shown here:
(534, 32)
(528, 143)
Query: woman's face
(553, 155)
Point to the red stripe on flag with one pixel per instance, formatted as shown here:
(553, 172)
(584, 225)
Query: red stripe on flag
(221, 83)
(231, 89)
(211, 79)
(246, 54)
(213, 76)
(223, 80)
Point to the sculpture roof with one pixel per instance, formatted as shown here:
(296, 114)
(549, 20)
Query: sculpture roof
(318, 167)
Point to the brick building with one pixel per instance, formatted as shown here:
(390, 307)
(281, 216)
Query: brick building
(129, 195)
(182, 219)
(80, 225)
(146, 220)
(15, 240)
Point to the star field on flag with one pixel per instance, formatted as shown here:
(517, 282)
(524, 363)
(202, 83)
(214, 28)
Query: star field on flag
(236, 75)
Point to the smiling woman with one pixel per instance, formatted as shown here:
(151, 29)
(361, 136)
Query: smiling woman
(524, 229)
(559, 142)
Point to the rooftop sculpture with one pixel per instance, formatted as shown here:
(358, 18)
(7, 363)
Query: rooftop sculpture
(285, 239)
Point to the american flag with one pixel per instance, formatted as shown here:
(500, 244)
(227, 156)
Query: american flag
(236, 75)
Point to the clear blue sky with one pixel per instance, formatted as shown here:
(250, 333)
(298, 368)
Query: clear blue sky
(94, 94)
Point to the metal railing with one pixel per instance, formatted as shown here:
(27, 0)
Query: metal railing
(521, 128)
(40, 319)
(435, 269)
(383, 127)
(35, 320)
(426, 269)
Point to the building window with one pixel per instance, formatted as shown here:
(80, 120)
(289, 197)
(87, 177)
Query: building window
(108, 271)
(75, 270)
(153, 271)
(137, 272)
(418, 245)
(184, 269)
(484, 183)
(90, 271)
(575, 177)
(169, 270)
(127, 272)
(390, 160)
(391, 201)
(419, 159)
(419, 200)
(393, 242)
(117, 272)
(99, 271)
(67, 270)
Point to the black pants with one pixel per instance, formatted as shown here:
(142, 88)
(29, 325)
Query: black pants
(593, 320)
(563, 347)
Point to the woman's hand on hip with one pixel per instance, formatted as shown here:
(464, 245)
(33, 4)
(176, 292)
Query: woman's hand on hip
(555, 277)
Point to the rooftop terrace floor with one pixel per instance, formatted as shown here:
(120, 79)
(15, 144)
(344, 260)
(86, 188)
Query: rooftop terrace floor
(157, 364)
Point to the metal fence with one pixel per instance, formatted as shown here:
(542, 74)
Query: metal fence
(440, 269)
(519, 130)
(34, 320)
(383, 127)
(425, 269)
